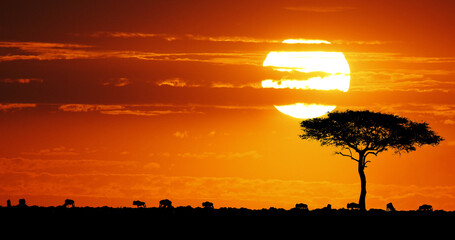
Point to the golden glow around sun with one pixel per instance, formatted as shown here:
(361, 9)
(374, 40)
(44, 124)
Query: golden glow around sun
(315, 70)
(302, 110)
(333, 65)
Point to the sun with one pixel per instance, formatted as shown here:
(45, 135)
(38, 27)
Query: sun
(315, 70)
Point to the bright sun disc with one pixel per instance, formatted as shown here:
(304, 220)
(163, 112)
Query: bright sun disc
(308, 70)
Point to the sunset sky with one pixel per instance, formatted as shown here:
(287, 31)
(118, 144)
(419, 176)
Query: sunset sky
(106, 102)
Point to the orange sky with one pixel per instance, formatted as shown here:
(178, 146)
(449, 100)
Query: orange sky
(106, 103)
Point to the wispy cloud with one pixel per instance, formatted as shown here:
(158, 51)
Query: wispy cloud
(175, 82)
(56, 151)
(21, 80)
(88, 107)
(446, 112)
(117, 82)
(148, 113)
(401, 80)
(45, 51)
(59, 51)
(360, 42)
(181, 134)
(394, 57)
(11, 106)
(167, 37)
(193, 37)
(132, 109)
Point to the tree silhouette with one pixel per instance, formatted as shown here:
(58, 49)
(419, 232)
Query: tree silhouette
(365, 133)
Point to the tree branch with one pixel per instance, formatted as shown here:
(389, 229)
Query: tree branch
(346, 155)
(376, 152)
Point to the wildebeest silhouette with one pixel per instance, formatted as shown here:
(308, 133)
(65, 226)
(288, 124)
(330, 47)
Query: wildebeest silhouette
(139, 204)
(390, 207)
(329, 207)
(426, 208)
(207, 205)
(68, 202)
(353, 206)
(301, 206)
(22, 203)
(165, 203)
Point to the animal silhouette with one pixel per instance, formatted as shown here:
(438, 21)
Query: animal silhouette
(301, 206)
(207, 205)
(329, 207)
(165, 203)
(139, 204)
(426, 208)
(353, 206)
(22, 203)
(68, 202)
(390, 207)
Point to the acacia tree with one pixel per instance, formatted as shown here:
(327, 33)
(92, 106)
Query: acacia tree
(362, 133)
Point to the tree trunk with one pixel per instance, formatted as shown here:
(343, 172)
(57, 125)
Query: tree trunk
(363, 182)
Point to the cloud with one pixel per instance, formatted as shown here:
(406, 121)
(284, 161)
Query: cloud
(59, 51)
(127, 109)
(88, 107)
(174, 82)
(360, 42)
(21, 80)
(399, 80)
(117, 82)
(167, 37)
(10, 106)
(56, 151)
(193, 37)
(144, 112)
(394, 57)
(67, 162)
(237, 39)
(449, 122)
(46, 51)
(180, 134)
(439, 110)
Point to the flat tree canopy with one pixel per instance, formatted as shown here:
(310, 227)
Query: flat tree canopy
(365, 133)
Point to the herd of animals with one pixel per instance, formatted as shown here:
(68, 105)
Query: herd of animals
(166, 203)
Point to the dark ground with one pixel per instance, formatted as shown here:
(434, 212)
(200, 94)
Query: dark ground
(143, 215)
(238, 223)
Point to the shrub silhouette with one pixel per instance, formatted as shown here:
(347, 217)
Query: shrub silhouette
(365, 133)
